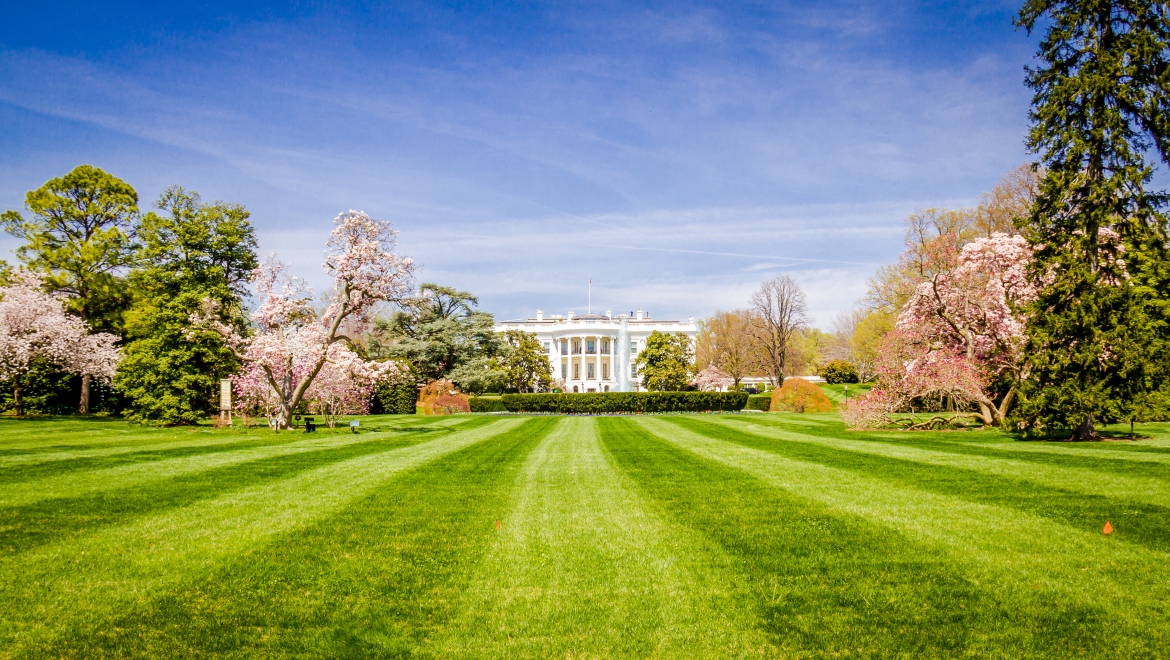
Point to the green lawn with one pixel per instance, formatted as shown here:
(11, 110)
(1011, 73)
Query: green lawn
(579, 537)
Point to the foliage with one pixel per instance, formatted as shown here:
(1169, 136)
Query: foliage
(666, 362)
(442, 335)
(441, 397)
(526, 362)
(839, 371)
(397, 398)
(293, 342)
(726, 343)
(486, 404)
(711, 379)
(626, 402)
(78, 238)
(1097, 336)
(194, 257)
(780, 312)
(759, 402)
(866, 339)
(345, 384)
(800, 396)
(44, 390)
(34, 326)
(809, 347)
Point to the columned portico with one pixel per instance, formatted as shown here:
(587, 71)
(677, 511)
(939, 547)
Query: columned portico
(584, 350)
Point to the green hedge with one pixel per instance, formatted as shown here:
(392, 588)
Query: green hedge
(484, 404)
(759, 402)
(627, 402)
(397, 399)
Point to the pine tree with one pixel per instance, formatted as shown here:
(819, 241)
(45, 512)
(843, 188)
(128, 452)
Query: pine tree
(1097, 332)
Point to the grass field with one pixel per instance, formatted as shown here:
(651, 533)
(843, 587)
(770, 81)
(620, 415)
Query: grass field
(579, 537)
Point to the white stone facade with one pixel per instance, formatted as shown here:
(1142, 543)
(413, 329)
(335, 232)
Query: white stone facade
(595, 352)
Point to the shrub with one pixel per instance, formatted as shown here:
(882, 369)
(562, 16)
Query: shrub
(484, 404)
(839, 371)
(625, 402)
(800, 396)
(449, 404)
(397, 399)
(759, 402)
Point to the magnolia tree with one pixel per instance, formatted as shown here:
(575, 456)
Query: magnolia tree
(35, 325)
(346, 383)
(712, 380)
(959, 336)
(294, 345)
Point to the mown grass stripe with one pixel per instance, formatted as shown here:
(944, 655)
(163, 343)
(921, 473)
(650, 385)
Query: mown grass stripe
(1135, 522)
(830, 583)
(380, 577)
(52, 589)
(76, 484)
(582, 569)
(1001, 548)
(1089, 482)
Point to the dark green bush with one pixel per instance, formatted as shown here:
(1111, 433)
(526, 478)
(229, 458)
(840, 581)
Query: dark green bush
(484, 404)
(396, 399)
(839, 371)
(627, 402)
(759, 402)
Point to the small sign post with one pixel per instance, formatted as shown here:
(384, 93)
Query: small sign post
(225, 401)
(353, 425)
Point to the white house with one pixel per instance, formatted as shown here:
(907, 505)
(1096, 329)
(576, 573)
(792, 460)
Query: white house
(594, 352)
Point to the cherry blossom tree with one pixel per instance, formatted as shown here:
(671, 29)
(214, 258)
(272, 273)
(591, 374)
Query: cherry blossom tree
(35, 325)
(345, 384)
(960, 335)
(293, 343)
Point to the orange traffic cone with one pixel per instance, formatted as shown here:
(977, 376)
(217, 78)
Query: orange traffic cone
(1108, 528)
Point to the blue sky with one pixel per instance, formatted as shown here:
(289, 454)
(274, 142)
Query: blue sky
(677, 153)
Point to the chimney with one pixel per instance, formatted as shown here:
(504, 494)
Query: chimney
(609, 314)
(540, 315)
(570, 316)
(639, 315)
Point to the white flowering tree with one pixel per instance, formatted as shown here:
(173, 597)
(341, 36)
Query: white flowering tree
(293, 344)
(35, 325)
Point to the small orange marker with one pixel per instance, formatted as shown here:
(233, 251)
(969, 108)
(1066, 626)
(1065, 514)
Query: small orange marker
(1108, 529)
(498, 526)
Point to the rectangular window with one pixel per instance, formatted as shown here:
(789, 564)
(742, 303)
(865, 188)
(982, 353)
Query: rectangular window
(576, 347)
(605, 346)
(564, 347)
(590, 347)
(564, 369)
(548, 347)
(589, 370)
(633, 347)
(576, 371)
(605, 371)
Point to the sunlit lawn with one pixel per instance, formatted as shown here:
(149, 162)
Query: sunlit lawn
(682, 536)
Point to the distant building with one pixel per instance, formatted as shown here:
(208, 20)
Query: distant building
(594, 352)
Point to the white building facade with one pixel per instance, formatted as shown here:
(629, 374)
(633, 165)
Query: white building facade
(596, 352)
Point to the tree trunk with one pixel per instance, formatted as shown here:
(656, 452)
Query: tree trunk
(1085, 431)
(17, 400)
(83, 406)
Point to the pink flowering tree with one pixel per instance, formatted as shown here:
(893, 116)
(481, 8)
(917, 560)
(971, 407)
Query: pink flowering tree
(960, 335)
(35, 325)
(711, 379)
(346, 383)
(293, 344)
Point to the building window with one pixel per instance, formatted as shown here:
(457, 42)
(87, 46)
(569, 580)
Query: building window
(605, 371)
(576, 347)
(589, 370)
(564, 347)
(590, 347)
(605, 346)
(548, 347)
(564, 369)
(606, 388)
(574, 389)
(576, 371)
(633, 347)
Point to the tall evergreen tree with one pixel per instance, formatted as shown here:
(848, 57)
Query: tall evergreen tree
(80, 238)
(1097, 332)
(193, 256)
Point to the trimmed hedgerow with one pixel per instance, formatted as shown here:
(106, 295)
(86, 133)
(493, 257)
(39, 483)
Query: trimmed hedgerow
(484, 404)
(625, 402)
(759, 402)
(397, 399)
